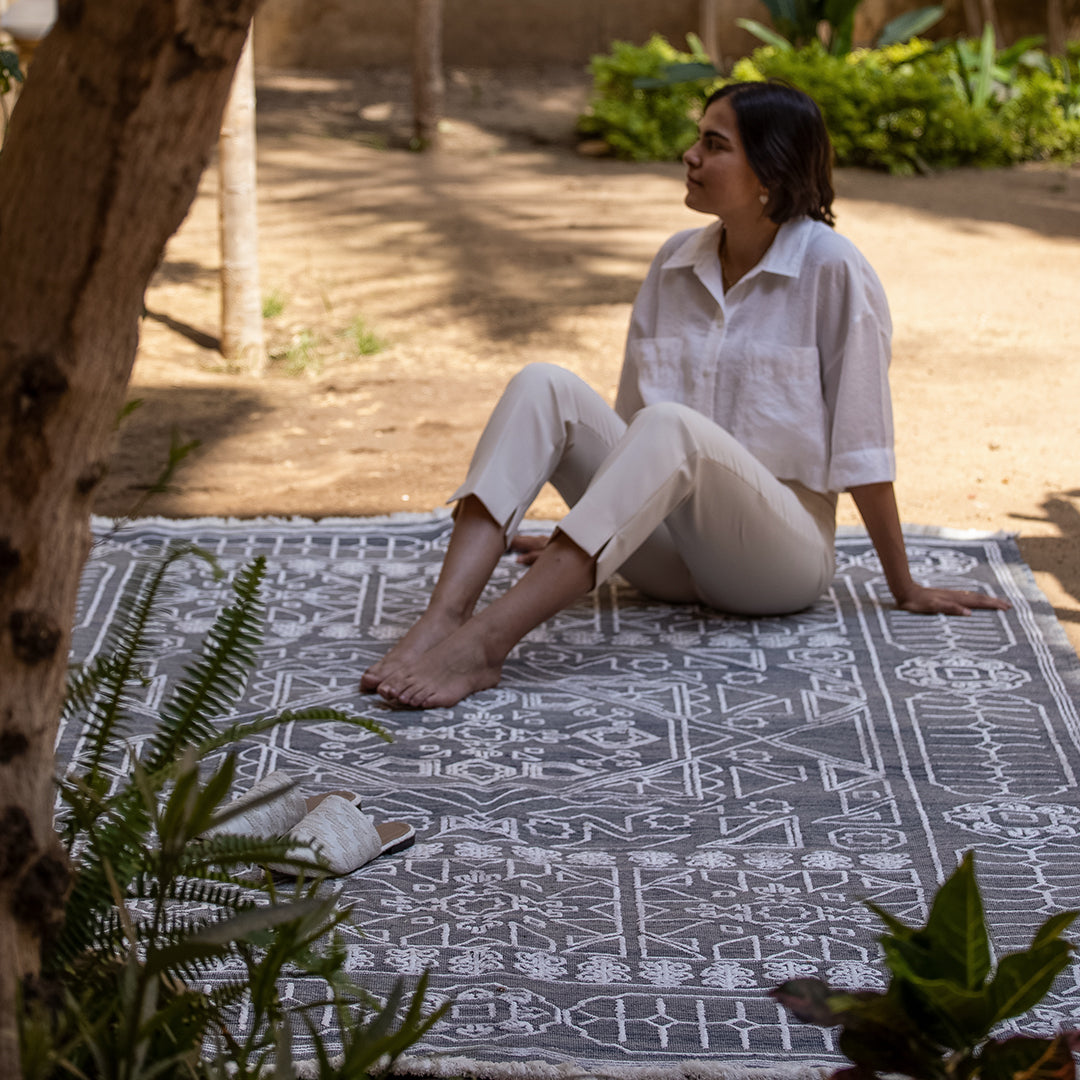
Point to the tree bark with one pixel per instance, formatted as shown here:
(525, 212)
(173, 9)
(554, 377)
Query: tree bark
(429, 87)
(710, 29)
(1055, 27)
(241, 302)
(990, 15)
(973, 18)
(101, 162)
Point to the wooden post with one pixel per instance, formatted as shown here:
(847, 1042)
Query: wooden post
(241, 302)
(1055, 27)
(710, 29)
(429, 87)
(973, 18)
(990, 15)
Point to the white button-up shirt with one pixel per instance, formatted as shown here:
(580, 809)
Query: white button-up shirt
(792, 361)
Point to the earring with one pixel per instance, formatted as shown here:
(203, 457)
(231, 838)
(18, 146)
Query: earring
(763, 198)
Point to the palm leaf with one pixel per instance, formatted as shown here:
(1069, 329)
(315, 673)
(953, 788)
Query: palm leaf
(763, 33)
(908, 25)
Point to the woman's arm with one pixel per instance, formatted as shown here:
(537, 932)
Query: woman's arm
(877, 506)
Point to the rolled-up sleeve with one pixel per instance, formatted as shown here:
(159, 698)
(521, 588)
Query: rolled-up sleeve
(854, 341)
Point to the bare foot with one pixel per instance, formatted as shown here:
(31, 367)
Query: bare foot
(431, 628)
(453, 669)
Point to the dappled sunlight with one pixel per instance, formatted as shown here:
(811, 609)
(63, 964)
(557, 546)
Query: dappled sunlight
(496, 252)
(1042, 198)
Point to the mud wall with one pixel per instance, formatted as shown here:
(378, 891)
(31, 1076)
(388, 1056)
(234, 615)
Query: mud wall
(340, 34)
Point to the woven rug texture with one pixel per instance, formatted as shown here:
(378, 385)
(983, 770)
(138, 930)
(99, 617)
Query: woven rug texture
(661, 811)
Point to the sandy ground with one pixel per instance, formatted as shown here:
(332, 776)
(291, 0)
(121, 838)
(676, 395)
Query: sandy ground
(506, 247)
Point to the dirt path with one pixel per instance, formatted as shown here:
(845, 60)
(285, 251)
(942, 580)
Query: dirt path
(507, 247)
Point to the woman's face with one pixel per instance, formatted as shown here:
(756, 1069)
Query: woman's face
(719, 179)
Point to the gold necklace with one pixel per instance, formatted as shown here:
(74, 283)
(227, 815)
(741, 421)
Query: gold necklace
(725, 280)
(723, 269)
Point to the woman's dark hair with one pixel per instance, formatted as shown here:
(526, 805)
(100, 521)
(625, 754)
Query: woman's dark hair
(787, 146)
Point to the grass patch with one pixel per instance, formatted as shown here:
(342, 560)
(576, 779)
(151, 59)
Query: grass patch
(273, 304)
(300, 355)
(365, 341)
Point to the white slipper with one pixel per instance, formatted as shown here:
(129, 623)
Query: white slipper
(278, 814)
(345, 838)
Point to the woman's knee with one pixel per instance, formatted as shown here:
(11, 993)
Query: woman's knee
(670, 423)
(540, 378)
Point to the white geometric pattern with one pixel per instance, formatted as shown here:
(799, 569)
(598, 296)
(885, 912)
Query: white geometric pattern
(662, 811)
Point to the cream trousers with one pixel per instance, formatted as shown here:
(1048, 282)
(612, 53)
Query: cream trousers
(670, 500)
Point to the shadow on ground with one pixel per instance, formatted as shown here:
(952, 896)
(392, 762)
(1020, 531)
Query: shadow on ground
(205, 416)
(1058, 555)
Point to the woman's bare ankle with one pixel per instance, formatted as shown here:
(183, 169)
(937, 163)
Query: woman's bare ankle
(433, 627)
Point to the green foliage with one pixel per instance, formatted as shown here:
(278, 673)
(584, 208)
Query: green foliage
(909, 25)
(365, 341)
(641, 113)
(273, 304)
(945, 997)
(799, 21)
(301, 354)
(155, 904)
(10, 74)
(832, 22)
(916, 107)
(905, 108)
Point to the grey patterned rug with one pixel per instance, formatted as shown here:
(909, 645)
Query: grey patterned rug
(661, 812)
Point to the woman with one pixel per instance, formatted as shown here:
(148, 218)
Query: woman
(754, 389)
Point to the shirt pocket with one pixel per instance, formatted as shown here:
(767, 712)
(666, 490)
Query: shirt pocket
(773, 394)
(670, 369)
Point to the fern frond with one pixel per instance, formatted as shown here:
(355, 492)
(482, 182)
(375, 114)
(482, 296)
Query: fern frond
(226, 894)
(217, 937)
(115, 850)
(101, 691)
(221, 853)
(246, 729)
(212, 684)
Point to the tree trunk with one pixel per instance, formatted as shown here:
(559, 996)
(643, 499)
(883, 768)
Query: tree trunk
(1055, 27)
(710, 29)
(429, 87)
(101, 162)
(241, 302)
(973, 18)
(990, 15)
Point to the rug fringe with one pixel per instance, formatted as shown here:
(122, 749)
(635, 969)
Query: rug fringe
(940, 532)
(437, 1066)
(405, 517)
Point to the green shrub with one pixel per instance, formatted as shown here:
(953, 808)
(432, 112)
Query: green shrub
(889, 108)
(911, 107)
(940, 1017)
(651, 122)
(906, 108)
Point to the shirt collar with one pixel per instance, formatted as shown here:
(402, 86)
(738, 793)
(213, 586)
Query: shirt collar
(784, 257)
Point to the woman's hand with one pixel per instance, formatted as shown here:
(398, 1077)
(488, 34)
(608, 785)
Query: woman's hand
(528, 546)
(877, 505)
(924, 601)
